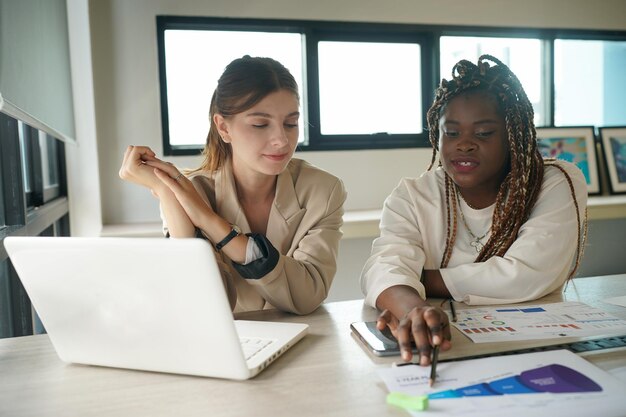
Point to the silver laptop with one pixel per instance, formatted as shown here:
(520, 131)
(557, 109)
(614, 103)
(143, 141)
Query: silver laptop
(152, 304)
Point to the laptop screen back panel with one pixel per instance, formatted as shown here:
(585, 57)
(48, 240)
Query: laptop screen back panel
(156, 306)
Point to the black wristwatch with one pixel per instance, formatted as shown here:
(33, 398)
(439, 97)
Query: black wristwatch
(234, 232)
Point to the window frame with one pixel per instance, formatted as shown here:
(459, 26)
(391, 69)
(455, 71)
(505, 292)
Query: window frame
(3, 223)
(321, 142)
(49, 216)
(572, 35)
(427, 36)
(314, 32)
(200, 23)
(545, 36)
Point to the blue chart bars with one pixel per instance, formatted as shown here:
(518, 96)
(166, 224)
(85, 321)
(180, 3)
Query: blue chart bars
(556, 379)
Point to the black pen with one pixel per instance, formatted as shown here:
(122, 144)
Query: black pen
(433, 366)
(452, 310)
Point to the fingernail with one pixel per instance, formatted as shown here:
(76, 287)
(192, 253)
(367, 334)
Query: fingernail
(424, 360)
(436, 340)
(405, 355)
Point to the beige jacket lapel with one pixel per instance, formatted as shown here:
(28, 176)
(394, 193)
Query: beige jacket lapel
(286, 213)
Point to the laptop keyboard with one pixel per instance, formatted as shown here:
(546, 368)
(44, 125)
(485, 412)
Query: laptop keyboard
(253, 345)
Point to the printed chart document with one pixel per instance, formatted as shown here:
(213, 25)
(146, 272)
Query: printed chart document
(557, 383)
(548, 321)
(618, 301)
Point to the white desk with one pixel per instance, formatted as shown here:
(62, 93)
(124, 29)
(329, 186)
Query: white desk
(328, 373)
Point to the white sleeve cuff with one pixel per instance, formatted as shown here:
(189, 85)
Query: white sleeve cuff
(253, 252)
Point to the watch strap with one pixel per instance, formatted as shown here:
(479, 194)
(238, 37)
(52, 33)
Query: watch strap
(234, 232)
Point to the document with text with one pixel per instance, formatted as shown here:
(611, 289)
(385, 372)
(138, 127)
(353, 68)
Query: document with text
(557, 383)
(545, 321)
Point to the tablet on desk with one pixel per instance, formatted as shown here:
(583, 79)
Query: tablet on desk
(380, 343)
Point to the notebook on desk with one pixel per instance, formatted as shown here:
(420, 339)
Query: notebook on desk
(149, 304)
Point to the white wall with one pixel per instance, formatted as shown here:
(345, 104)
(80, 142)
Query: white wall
(83, 167)
(127, 92)
(126, 89)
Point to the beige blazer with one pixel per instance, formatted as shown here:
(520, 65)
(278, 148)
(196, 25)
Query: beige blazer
(304, 227)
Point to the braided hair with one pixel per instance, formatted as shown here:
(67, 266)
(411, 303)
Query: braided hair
(520, 188)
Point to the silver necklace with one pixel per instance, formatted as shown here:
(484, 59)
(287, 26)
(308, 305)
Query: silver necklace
(476, 241)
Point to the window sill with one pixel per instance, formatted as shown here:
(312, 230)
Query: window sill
(364, 223)
(357, 224)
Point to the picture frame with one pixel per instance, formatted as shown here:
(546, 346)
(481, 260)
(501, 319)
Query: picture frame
(613, 140)
(573, 144)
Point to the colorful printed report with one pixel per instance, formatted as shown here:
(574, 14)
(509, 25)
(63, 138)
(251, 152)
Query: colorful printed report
(546, 321)
(555, 383)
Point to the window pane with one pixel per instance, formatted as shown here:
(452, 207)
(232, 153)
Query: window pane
(2, 209)
(523, 56)
(49, 160)
(593, 93)
(3, 180)
(6, 328)
(194, 61)
(369, 87)
(23, 134)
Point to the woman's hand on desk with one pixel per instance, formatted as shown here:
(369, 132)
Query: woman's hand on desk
(410, 318)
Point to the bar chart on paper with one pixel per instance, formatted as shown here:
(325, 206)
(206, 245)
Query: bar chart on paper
(552, 378)
(548, 321)
(557, 383)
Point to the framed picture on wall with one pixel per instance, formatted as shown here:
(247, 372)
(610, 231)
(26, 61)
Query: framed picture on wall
(572, 144)
(614, 146)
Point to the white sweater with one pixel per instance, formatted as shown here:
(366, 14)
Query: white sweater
(413, 233)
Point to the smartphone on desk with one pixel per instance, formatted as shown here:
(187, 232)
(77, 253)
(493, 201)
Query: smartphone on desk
(380, 342)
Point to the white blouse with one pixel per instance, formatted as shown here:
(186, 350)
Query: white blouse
(413, 233)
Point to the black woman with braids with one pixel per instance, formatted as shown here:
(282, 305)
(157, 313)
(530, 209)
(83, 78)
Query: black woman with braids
(493, 223)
